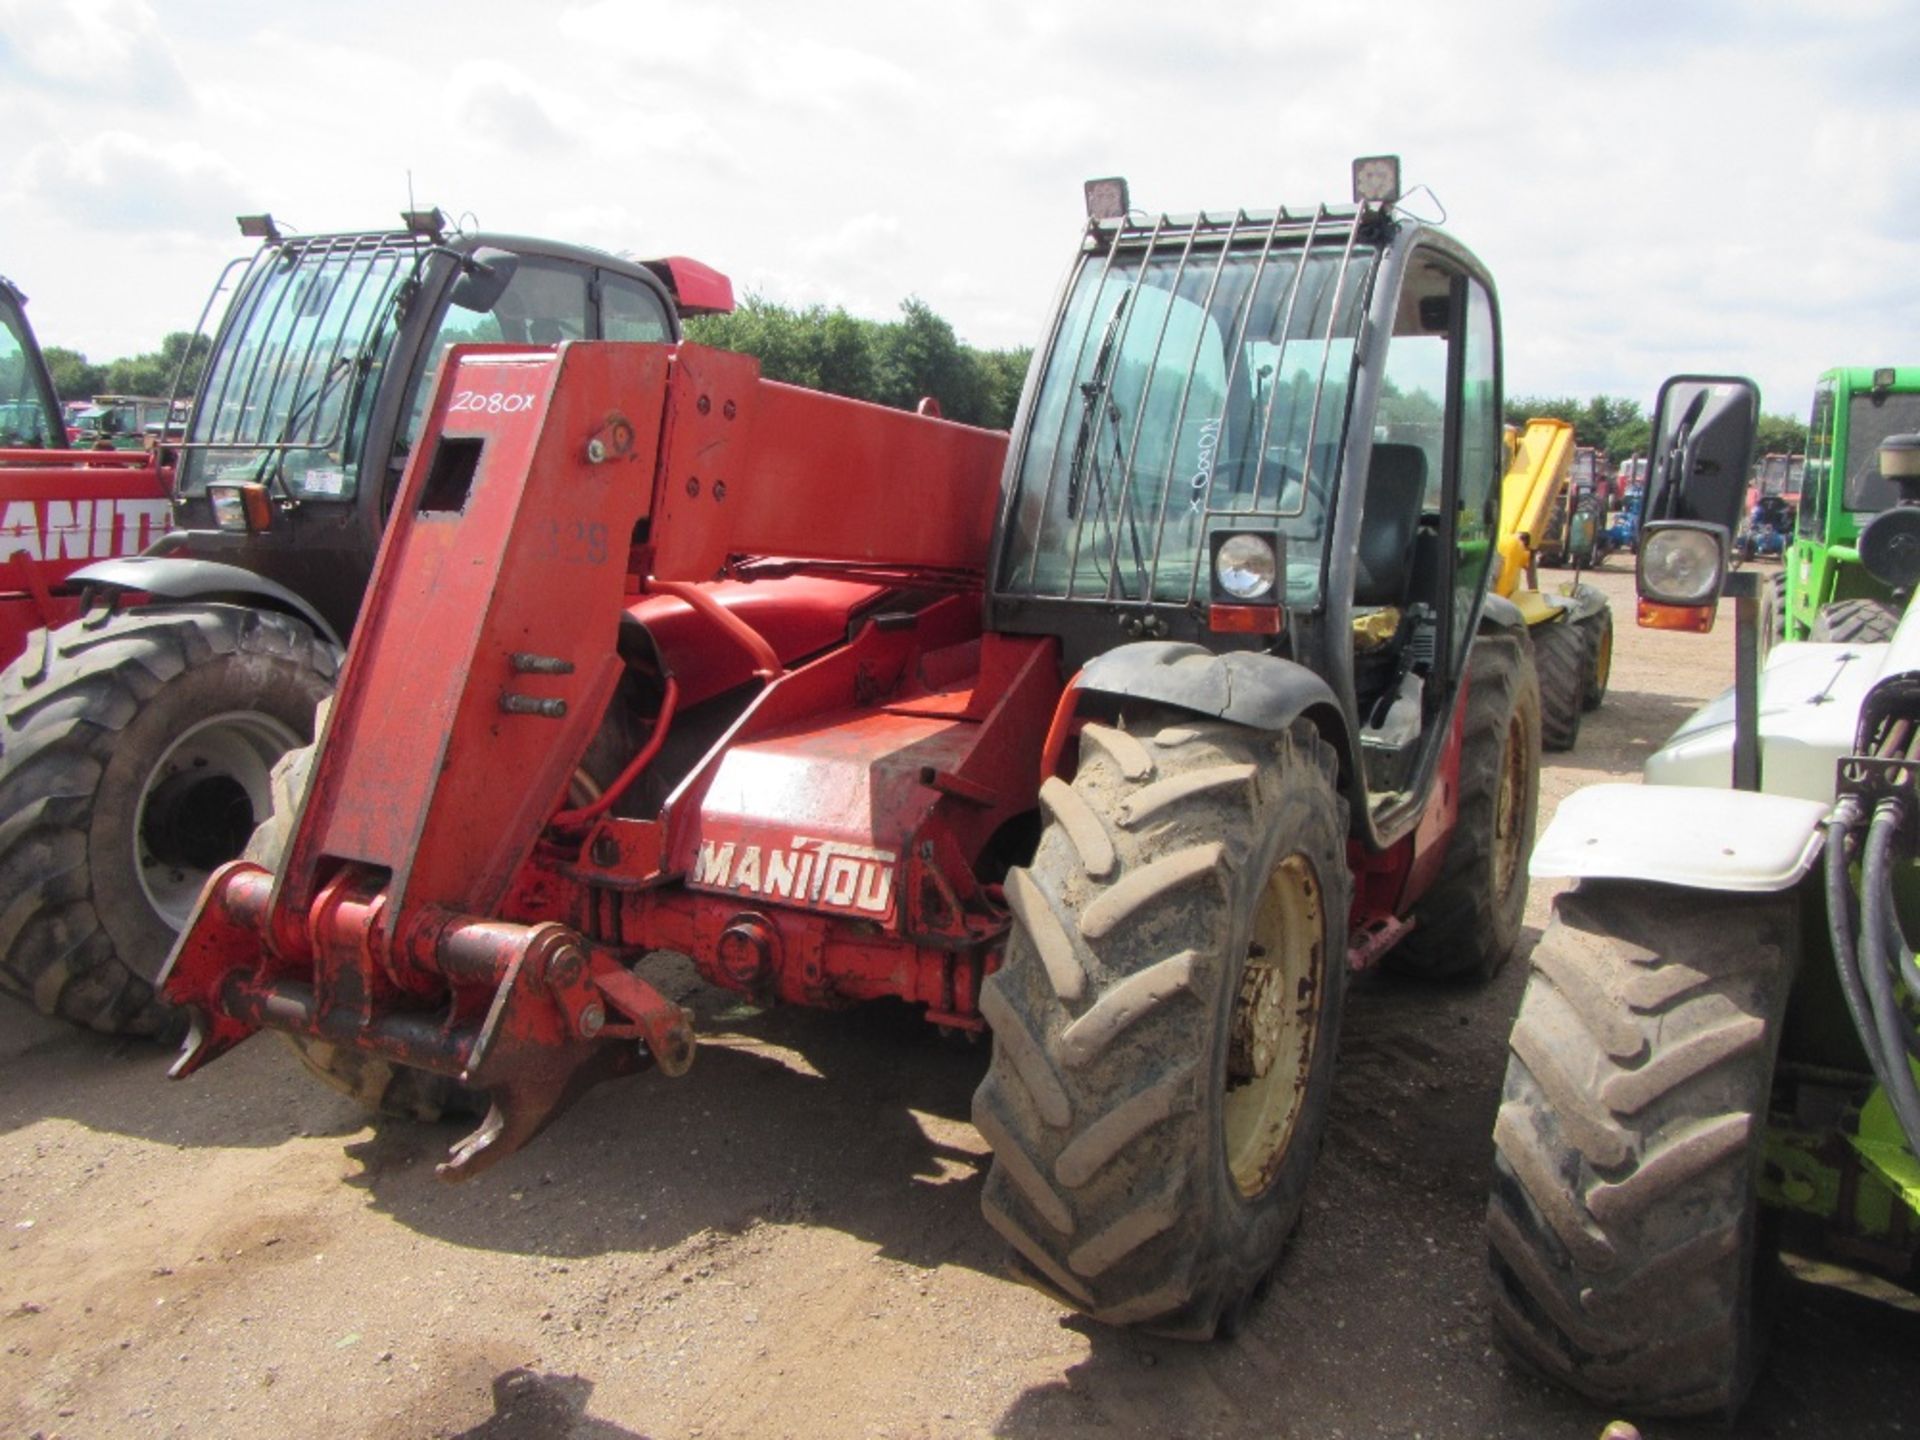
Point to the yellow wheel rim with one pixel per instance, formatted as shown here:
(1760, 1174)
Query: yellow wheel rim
(1275, 1027)
(1507, 807)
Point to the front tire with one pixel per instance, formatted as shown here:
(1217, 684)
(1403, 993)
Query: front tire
(1468, 925)
(137, 759)
(1624, 1221)
(1165, 1023)
(1560, 656)
(1597, 630)
(1855, 622)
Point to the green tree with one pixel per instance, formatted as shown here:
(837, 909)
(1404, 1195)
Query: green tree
(1633, 437)
(152, 373)
(918, 356)
(1780, 435)
(895, 362)
(74, 376)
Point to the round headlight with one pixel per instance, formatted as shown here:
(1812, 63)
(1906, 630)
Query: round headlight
(1245, 566)
(1680, 567)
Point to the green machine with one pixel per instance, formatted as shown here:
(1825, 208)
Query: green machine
(1824, 592)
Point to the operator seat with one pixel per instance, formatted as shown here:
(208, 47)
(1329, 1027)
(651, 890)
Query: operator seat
(1396, 489)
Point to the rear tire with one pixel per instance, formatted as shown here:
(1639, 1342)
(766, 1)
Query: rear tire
(1560, 656)
(1165, 1023)
(403, 1091)
(1468, 925)
(1855, 622)
(1624, 1225)
(136, 762)
(1597, 627)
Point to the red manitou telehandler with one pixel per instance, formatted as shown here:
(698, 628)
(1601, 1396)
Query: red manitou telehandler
(170, 619)
(1125, 740)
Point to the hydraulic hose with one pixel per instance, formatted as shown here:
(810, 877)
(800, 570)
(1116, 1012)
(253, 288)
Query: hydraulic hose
(1869, 955)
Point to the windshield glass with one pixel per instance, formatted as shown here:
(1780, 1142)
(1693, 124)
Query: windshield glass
(23, 413)
(1871, 418)
(1191, 389)
(286, 397)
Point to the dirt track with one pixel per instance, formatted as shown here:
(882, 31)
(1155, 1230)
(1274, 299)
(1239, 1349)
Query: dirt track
(785, 1242)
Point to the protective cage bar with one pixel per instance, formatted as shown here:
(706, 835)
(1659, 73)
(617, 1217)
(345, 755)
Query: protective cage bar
(270, 397)
(1201, 247)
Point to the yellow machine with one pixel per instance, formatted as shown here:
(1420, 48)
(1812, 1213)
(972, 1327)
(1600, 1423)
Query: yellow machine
(1571, 626)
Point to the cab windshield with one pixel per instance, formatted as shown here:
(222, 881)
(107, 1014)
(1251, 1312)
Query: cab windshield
(1193, 386)
(285, 399)
(24, 418)
(1871, 418)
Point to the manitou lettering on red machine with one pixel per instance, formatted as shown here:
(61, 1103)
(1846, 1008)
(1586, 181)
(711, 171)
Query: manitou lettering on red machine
(97, 529)
(817, 873)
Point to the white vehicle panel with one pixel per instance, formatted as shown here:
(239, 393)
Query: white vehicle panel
(1682, 835)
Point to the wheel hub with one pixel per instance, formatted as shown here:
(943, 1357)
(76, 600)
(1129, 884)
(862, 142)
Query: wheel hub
(1274, 1030)
(200, 803)
(1508, 803)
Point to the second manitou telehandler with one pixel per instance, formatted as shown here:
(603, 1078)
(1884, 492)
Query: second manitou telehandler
(140, 723)
(1126, 741)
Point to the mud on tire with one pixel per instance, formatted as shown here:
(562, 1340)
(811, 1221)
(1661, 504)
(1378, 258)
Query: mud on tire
(1165, 1023)
(379, 1085)
(137, 746)
(1623, 1224)
(1468, 925)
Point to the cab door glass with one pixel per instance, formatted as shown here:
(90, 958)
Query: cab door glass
(23, 415)
(1481, 457)
(1814, 478)
(544, 303)
(630, 311)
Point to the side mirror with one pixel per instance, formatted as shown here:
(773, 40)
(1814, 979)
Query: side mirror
(1703, 430)
(484, 279)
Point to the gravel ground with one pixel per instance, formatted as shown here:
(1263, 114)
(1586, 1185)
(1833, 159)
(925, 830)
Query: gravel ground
(785, 1242)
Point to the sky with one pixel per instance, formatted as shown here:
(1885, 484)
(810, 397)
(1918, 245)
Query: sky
(1657, 185)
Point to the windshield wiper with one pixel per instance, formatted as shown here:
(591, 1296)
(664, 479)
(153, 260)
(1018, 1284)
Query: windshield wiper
(276, 456)
(1093, 391)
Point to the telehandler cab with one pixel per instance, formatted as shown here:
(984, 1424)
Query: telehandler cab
(141, 721)
(1125, 741)
(1824, 589)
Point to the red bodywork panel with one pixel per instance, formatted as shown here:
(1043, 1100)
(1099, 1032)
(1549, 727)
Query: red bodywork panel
(1387, 885)
(799, 617)
(60, 510)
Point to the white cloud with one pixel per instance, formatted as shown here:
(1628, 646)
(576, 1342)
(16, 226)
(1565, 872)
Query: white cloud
(1654, 186)
(113, 49)
(133, 185)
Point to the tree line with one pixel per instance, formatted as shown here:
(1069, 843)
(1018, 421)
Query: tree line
(77, 378)
(890, 362)
(1620, 430)
(895, 362)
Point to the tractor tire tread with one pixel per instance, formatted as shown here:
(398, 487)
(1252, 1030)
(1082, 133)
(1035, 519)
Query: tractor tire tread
(1855, 622)
(59, 725)
(1560, 655)
(1095, 1094)
(1463, 931)
(1623, 1220)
